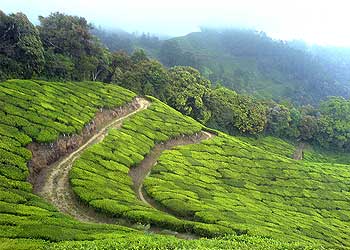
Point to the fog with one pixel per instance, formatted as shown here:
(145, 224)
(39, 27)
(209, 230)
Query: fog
(316, 22)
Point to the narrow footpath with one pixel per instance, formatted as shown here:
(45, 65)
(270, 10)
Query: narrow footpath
(56, 188)
(139, 173)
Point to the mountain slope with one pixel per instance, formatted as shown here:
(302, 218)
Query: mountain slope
(37, 112)
(251, 62)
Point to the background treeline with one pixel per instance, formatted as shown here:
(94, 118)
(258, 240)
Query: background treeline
(250, 62)
(63, 47)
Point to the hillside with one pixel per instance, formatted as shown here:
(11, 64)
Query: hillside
(203, 184)
(250, 62)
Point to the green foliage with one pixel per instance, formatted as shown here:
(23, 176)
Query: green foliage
(232, 112)
(153, 242)
(21, 50)
(100, 176)
(186, 92)
(40, 111)
(250, 62)
(108, 188)
(279, 118)
(334, 123)
(68, 41)
(144, 76)
(30, 106)
(252, 186)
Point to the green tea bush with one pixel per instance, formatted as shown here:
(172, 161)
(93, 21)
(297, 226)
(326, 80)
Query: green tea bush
(247, 189)
(41, 111)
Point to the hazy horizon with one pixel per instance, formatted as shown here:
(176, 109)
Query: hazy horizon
(315, 22)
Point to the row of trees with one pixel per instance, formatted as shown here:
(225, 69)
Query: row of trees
(62, 47)
(185, 89)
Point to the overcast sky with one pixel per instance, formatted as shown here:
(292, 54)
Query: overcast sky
(321, 22)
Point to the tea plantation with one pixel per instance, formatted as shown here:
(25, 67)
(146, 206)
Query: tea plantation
(231, 183)
(100, 176)
(223, 185)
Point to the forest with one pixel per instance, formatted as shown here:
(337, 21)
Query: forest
(64, 48)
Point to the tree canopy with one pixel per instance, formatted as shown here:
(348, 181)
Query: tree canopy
(63, 47)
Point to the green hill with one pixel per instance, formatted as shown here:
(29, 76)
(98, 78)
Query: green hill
(91, 165)
(223, 186)
(250, 62)
(29, 222)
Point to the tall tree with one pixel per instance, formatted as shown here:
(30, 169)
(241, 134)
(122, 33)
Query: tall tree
(186, 92)
(71, 36)
(21, 51)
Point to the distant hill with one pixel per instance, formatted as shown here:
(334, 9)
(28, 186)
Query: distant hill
(251, 62)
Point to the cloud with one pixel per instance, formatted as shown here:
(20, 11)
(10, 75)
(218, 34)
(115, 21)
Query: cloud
(323, 22)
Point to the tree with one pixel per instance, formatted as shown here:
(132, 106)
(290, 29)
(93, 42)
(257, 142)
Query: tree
(170, 53)
(147, 77)
(220, 102)
(186, 92)
(334, 123)
(120, 62)
(21, 51)
(308, 127)
(139, 55)
(70, 36)
(252, 116)
(57, 66)
(278, 120)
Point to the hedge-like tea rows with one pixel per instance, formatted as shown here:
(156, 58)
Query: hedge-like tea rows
(40, 111)
(228, 182)
(43, 110)
(100, 176)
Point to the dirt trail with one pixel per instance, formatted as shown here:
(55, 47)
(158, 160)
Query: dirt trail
(56, 187)
(299, 152)
(139, 173)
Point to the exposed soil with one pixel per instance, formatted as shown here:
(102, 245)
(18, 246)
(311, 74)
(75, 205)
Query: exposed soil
(299, 152)
(44, 154)
(139, 173)
(50, 171)
(54, 181)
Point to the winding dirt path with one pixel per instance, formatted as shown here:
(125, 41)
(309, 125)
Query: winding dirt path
(139, 173)
(56, 187)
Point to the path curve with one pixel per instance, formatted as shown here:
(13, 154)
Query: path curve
(139, 173)
(57, 188)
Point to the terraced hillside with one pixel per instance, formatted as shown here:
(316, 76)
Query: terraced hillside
(227, 182)
(38, 112)
(41, 122)
(100, 176)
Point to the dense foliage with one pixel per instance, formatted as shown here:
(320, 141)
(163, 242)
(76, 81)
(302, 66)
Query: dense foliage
(228, 182)
(29, 222)
(100, 177)
(248, 61)
(21, 50)
(64, 47)
(41, 111)
(61, 47)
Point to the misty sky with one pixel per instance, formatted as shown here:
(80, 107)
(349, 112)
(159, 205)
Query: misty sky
(321, 22)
